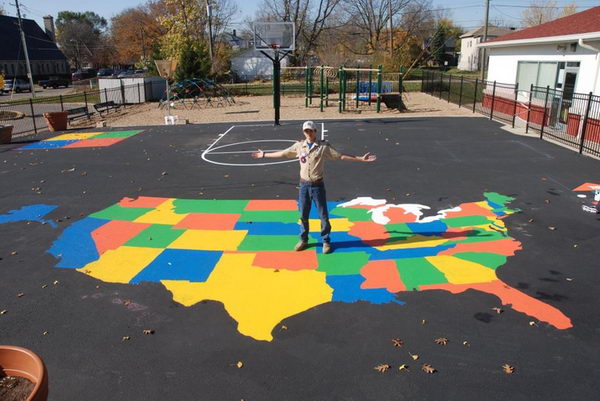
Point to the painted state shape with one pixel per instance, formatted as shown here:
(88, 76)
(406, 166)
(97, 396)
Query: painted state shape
(76, 247)
(142, 201)
(268, 228)
(256, 298)
(94, 142)
(115, 233)
(179, 264)
(209, 240)
(460, 271)
(48, 144)
(382, 274)
(286, 260)
(516, 299)
(121, 265)
(348, 289)
(271, 204)
(162, 214)
(29, 213)
(74, 136)
(505, 247)
(208, 221)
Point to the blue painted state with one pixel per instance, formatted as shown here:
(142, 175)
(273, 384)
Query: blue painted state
(408, 253)
(268, 228)
(432, 228)
(29, 213)
(48, 144)
(347, 289)
(314, 212)
(75, 247)
(179, 264)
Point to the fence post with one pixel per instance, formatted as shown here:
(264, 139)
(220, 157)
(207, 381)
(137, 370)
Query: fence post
(33, 115)
(340, 90)
(326, 90)
(105, 95)
(400, 79)
(62, 106)
(441, 83)
(357, 83)
(310, 84)
(139, 94)
(321, 86)
(515, 105)
(85, 99)
(449, 86)
(462, 78)
(585, 122)
(422, 81)
(370, 82)
(379, 84)
(544, 116)
(305, 86)
(475, 94)
(493, 101)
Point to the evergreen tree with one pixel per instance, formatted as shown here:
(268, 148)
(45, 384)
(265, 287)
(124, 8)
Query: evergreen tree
(194, 62)
(438, 47)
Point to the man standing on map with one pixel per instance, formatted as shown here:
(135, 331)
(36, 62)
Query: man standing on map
(312, 153)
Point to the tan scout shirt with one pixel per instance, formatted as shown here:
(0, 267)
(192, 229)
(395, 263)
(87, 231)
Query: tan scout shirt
(312, 160)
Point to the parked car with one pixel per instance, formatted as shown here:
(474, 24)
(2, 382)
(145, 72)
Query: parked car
(54, 82)
(139, 71)
(106, 72)
(17, 85)
(126, 74)
(83, 74)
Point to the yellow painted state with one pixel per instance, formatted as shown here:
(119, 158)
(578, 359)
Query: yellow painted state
(122, 264)
(211, 240)
(337, 224)
(484, 205)
(415, 241)
(255, 297)
(162, 214)
(74, 136)
(460, 271)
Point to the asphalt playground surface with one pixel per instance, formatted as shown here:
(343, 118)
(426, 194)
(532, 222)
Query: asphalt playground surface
(328, 352)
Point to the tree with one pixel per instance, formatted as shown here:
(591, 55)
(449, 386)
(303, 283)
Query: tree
(542, 11)
(438, 44)
(81, 36)
(193, 62)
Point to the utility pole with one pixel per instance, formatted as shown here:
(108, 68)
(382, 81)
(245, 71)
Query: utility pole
(210, 35)
(391, 31)
(29, 75)
(485, 34)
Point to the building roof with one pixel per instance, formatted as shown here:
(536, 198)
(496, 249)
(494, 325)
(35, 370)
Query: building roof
(39, 45)
(492, 31)
(584, 22)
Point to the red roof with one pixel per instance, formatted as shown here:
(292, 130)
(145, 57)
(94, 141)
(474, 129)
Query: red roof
(582, 22)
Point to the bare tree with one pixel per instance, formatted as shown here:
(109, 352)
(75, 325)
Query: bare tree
(542, 11)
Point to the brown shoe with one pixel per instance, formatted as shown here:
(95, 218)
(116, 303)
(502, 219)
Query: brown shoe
(301, 245)
(326, 247)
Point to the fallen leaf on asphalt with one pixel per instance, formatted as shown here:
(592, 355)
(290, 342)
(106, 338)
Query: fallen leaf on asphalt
(164, 173)
(239, 364)
(466, 344)
(403, 367)
(414, 356)
(423, 321)
(569, 279)
(283, 327)
(531, 220)
(382, 368)
(397, 342)
(428, 368)
(441, 341)
(126, 338)
(55, 282)
(508, 369)
(3, 312)
(575, 246)
(532, 323)
(69, 170)
(547, 201)
(45, 333)
(45, 285)
(13, 253)
(126, 302)
(551, 228)
(498, 310)
(20, 294)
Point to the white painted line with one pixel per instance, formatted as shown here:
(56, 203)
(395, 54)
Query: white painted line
(218, 139)
(323, 131)
(241, 151)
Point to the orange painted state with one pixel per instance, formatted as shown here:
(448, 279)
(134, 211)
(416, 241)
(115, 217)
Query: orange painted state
(272, 204)
(208, 221)
(588, 186)
(115, 233)
(457, 233)
(510, 296)
(382, 274)
(506, 247)
(399, 215)
(471, 209)
(94, 143)
(370, 233)
(286, 260)
(142, 201)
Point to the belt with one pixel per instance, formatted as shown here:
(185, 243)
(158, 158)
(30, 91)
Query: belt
(315, 182)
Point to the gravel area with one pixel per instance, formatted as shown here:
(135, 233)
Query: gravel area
(260, 108)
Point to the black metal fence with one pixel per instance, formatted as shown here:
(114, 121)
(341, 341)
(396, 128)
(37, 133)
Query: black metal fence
(569, 118)
(27, 115)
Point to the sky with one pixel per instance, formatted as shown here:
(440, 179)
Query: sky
(466, 13)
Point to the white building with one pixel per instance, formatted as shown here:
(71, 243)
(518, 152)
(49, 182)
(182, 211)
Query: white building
(252, 64)
(469, 50)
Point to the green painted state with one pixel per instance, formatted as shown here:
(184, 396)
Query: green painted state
(268, 243)
(481, 235)
(466, 221)
(491, 260)
(116, 212)
(352, 213)
(155, 236)
(279, 216)
(209, 206)
(498, 198)
(415, 272)
(117, 134)
(398, 232)
(342, 263)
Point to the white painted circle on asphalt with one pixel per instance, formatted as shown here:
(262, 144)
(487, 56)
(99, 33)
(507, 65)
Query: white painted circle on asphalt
(222, 150)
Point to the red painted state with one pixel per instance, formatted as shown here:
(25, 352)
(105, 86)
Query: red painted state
(382, 274)
(115, 233)
(510, 296)
(286, 260)
(471, 209)
(370, 233)
(142, 201)
(399, 215)
(94, 143)
(208, 221)
(506, 247)
(272, 204)
(588, 186)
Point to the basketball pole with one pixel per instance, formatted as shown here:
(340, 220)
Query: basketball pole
(276, 59)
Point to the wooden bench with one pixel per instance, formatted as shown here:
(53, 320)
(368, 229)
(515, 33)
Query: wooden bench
(106, 106)
(78, 112)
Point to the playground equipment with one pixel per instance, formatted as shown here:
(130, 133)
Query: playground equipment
(197, 93)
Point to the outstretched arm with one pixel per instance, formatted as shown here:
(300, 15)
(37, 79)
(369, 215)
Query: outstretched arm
(367, 157)
(271, 155)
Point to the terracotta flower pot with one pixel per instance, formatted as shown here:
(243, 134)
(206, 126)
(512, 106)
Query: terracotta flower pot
(17, 361)
(57, 121)
(6, 133)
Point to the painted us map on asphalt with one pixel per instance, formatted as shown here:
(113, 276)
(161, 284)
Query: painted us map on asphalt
(240, 253)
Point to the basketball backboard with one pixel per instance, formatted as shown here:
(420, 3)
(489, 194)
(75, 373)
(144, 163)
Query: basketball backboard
(274, 35)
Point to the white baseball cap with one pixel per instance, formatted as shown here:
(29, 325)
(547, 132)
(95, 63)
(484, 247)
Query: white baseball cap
(309, 125)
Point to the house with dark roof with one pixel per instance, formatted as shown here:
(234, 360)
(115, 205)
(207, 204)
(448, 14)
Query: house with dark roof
(469, 51)
(45, 57)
